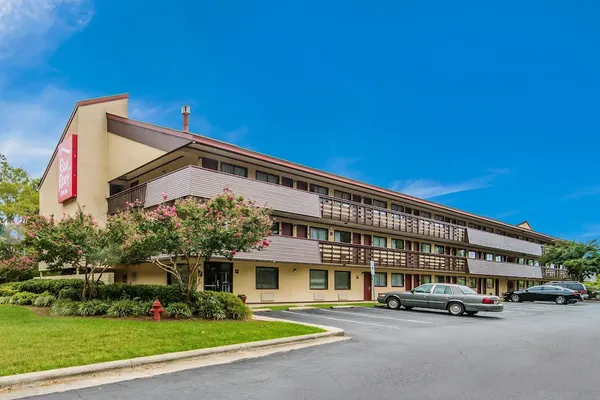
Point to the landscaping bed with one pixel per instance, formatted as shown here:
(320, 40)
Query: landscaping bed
(32, 342)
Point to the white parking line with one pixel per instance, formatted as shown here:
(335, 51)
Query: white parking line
(344, 320)
(376, 316)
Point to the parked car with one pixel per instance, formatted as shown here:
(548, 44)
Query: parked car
(573, 285)
(456, 299)
(557, 294)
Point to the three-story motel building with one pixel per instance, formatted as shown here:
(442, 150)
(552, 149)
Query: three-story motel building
(328, 228)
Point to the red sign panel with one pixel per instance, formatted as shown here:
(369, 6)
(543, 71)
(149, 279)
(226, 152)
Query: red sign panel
(67, 169)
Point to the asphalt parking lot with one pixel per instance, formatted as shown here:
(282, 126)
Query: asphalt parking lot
(533, 351)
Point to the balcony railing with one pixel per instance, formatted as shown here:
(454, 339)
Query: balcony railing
(343, 253)
(555, 273)
(358, 213)
(119, 201)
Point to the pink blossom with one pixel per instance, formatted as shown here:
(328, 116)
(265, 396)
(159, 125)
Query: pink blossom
(233, 252)
(237, 235)
(79, 251)
(164, 195)
(265, 242)
(211, 227)
(177, 225)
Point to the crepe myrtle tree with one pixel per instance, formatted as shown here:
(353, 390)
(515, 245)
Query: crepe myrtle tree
(178, 237)
(581, 259)
(15, 262)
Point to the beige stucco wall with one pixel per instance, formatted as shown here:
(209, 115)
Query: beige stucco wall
(146, 274)
(125, 155)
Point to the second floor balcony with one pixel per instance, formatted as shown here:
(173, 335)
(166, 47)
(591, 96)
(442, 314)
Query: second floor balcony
(555, 274)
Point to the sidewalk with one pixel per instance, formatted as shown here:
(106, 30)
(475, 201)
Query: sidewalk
(307, 304)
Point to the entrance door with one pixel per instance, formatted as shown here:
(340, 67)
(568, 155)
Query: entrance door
(218, 277)
(408, 282)
(367, 239)
(367, 286)
(497, 287)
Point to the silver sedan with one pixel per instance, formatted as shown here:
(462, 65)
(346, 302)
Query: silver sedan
(456, 299)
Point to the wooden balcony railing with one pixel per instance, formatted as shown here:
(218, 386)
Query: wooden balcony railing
(555, 273)
(349, 211)
(119, 201)
(344, 253)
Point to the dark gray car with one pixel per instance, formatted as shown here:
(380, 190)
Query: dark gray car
(456, 299)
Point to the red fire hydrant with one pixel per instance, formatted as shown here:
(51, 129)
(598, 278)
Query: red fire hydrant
(157, 309)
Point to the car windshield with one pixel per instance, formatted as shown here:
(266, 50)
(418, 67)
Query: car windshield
(467, 290)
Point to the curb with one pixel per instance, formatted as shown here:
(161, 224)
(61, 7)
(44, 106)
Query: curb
(60, 373)
(344, 307)
(302, 308)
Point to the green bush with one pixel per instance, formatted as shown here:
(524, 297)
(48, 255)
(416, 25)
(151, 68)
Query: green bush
(23, 298)
(7, 289)
(124, 308)
(69, 294)
(208, 305)
(64, 307)
(92, 307)
(167, 294)
(53, 286)
(145, 308)
(4, 300)
(235, 307)
(44, 300)
(178, 311)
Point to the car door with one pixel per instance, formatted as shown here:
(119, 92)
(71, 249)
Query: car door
(534, 293)
(419, 296)
(553, 292)
(440, 296)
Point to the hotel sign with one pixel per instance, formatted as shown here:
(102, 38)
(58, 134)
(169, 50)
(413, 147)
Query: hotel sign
(67, 169)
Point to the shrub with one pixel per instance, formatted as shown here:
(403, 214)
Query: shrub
(123, 308)
(23, 298)
(209, 306)
(92, 307)
(44, 300)
(235, 307)
(4, 300)
(64, 307)
(178, 311)
(145, 308)
(53, 286)
(167, 294)
(7, 290)
(69, 294)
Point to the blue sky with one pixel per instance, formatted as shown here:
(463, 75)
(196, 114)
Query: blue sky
(491, 108)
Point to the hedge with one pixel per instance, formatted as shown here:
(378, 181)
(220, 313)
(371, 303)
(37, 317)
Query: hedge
(53, 286)
(167, 294)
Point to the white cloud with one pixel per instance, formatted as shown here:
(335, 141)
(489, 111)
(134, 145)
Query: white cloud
(344, 166)
(426, 189)
(583, 192)
(591, 231)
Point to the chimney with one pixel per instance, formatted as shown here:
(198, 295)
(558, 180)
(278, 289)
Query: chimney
(185, 111)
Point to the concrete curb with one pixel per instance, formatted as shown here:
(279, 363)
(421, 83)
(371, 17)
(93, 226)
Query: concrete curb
(300, 308)
(344, 307)
(61, 373)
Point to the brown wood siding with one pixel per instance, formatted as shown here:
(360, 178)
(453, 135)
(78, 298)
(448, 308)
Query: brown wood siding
(507, 243)
(285, 249)
(492, 268)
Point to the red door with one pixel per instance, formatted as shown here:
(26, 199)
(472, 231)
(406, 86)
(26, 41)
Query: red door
(417, 279)
(479, 286)
(367, 286)
(408, 281)
(356, 238)
(367, 239)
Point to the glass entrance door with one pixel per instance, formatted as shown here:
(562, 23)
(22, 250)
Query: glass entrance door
(218, 277)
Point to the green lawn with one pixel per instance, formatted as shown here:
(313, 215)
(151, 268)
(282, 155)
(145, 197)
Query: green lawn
(278, 308)
(32, 342)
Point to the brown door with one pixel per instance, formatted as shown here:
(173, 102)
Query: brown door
(367, 286)
(417, 279)
(497, 287)
(408, 281)
(286, 229)
(301, 231)
(356, 238)
(367, 240)
(479, 286)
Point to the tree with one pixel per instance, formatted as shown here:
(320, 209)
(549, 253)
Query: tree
(74, 241)
(177, 238)
(581, 259)
(19, 195)
(15, 263)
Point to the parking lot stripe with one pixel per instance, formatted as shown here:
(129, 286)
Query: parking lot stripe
(345, 320)
(377, 316)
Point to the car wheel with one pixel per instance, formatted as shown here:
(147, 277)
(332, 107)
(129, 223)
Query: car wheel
(456, 309)
(408, 308)
(515, 298)
(393, 303)
(472, 312)
(560, 300)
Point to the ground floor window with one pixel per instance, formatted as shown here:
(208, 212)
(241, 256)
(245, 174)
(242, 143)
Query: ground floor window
(341, 280)
(489, 283)
(267, 278)
(440, 279)
(318, 279)
(472, 282)
(425, 279)
(461, 280)
(380, 279)
(521, 285)
(397, 280)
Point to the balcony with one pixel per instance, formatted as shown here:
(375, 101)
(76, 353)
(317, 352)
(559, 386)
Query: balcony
(555, 274)
(488, 239)
(344, 253)
(118, 202)
(362, 214)
(508, 270)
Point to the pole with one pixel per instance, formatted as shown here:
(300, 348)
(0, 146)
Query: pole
(373, 280)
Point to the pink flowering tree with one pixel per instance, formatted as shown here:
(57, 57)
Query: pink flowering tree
(178, 237)
(15, 263)
(74, 241)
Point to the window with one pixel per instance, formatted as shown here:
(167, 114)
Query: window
(489, 283)
(461, 280)
(461, 223)
(134, 276)
(318, 279)
(471, 225)
(521, 284)
(319, 189)
(356, 198)
(397, 207)
(472, 255)
(472, 282)
(467, 290)
(425, 214)
(341, 280)
(342, 195)
(380, 204)
(397, 244)
(234, 169)
(285, 181)
(439, 279)
(425, 278)
(498, 258)
(266, 177)
(461, 252)
(379, 241)
(425, 248)
(114, 189)
(521, 260)
(397, 280)
(134, 183)
(301, 185)
(275, 228)
(367, 200)
(380, 279)
(530, 283)
(301, 231)
(267, 278)
(343, 237)
(536, 263)
(318, 233)
(287, 229)
(209, 163)
(438, 217)
(438, 249)
(442, 289)
(530, 262)
(489, 257)
(424, 288)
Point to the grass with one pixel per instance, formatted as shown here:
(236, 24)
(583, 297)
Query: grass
(32, 342)
(279, 308)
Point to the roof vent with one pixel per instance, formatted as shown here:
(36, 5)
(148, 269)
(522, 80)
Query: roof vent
(185, 111)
